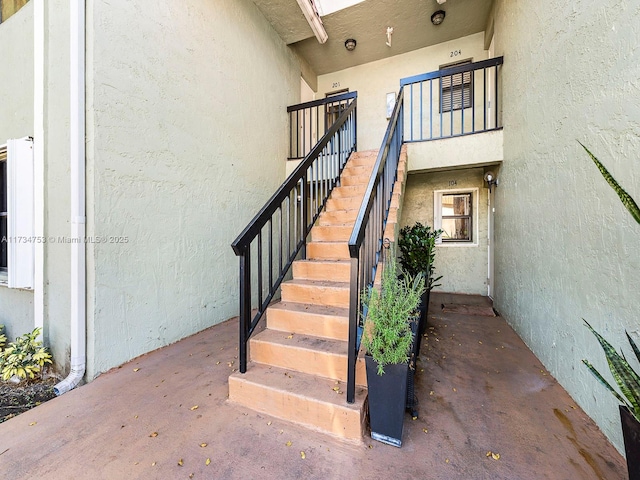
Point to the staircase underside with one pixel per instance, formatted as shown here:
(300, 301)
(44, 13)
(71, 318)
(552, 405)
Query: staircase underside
(298, 364)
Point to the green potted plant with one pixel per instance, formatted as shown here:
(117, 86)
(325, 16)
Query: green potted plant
(625, 376)
(417, 245)
(388, 339)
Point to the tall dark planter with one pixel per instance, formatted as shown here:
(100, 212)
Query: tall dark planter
(387, 397)
(631, 434)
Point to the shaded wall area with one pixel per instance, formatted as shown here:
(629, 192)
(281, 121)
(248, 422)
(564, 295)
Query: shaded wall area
(566, 248)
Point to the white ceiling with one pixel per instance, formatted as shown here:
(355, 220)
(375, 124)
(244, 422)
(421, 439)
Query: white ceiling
(367, 23)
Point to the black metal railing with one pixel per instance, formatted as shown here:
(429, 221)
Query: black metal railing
(454, 101)
(366, 239)
(274, 238)
(309, 121)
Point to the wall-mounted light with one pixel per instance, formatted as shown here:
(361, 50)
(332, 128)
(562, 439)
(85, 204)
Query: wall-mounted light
(491, 179)
(350, 44)
(389, 33)
(438, 17)
(313, 19)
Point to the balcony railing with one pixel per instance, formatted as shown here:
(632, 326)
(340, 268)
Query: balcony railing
(451, 102)
(309, 121)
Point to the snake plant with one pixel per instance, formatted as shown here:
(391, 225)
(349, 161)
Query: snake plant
(625, 376)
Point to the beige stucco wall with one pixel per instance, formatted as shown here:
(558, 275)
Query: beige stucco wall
(184, 147)
(16, 121)
(566, 248)
(374, 80)
(463, 266)
(479, 149)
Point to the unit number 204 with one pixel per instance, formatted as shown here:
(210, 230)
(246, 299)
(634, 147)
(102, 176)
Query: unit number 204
(455, 53)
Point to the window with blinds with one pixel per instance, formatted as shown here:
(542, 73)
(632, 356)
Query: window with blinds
(456, 91)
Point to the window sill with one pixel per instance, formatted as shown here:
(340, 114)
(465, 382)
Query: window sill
(457, 244)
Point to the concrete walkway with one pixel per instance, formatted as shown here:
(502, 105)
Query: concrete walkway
(163, 415)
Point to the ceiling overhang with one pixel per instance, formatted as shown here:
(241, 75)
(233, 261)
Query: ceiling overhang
(367, 23)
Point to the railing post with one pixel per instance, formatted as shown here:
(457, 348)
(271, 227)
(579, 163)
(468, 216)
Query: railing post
(305, 213)
(354, 309)
(245, 305)
(355, 127)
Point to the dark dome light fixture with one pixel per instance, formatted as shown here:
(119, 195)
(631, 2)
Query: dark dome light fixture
(438, 17)
(350, 44)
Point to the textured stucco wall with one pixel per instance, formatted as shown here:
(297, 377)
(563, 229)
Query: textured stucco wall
(16, 121)
(184, 147)
(374, 80)
(463, 267)
(566, 248)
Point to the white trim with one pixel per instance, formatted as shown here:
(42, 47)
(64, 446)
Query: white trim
(38, 160)
(437, 215)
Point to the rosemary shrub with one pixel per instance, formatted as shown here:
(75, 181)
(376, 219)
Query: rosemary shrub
(387, 334)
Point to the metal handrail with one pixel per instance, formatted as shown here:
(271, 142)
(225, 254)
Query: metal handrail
(366, 238)
(288, 217)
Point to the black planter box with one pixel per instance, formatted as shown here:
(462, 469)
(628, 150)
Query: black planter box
(387, 400)
(631, 434)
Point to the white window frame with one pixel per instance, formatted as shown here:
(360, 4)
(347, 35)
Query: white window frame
(437, 215)
(20, 215)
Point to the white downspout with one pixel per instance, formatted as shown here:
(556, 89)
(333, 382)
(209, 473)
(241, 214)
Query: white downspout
(78, 213)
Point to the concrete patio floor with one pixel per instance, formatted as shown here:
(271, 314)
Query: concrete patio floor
(480, 390)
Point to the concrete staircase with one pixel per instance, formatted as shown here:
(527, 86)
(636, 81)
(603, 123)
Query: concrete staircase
(298, 364)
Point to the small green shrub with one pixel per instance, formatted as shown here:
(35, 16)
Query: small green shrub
(417, 245)
(25, 357)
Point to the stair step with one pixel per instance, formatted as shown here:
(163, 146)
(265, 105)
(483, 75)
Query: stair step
(364, 158)
(331, 233)
(328, 251)
(350, 180)
(333, 270)
(307, 354)
(343, 203)
(315, 320)
(303, 399)
(352, 169)
(337, 217)
(348, 191)
(332, 294)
